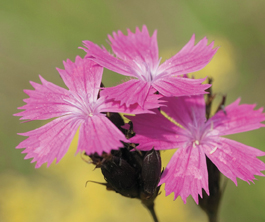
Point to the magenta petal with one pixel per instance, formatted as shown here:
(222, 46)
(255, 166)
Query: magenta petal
(105, 59)
(235, 159)
(49, 141)
(155, 131)
(238, 118)
(138, 47)
(190, 59)
(99, 134)
(179, 86)
(186, 174)
(79, 106)
(128, 93)
(135, 52)
(114, 106)
(152, 102)
(187, 111)
(46, 101)
(82, 77)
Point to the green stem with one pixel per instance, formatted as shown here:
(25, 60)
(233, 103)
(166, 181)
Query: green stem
(212, 217)
(153, 213)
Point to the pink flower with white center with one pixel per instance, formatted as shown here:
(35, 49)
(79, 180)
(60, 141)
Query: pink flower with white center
(183, 125)
(77, 107)
(137, 57)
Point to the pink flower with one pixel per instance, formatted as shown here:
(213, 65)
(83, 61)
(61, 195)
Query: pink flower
(137, 57)
(77, 107)
(197, 138)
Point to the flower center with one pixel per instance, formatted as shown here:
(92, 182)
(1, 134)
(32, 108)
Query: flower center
(200, 134)
(196, 142)
(146, 70)
(82, 105)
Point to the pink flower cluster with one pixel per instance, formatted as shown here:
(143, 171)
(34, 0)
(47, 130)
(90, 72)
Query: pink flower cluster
(169, 108)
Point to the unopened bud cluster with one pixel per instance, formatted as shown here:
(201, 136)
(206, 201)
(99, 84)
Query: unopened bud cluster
(130, 172)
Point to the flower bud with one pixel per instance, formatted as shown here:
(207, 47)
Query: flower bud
(121, 176)
(151, 172)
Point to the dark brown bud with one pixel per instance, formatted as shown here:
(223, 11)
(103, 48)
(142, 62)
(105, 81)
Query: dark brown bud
(121, 176)
(151, 171)
(128, 171)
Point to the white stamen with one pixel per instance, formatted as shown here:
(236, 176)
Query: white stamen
(196, 142)
(154, 71)
(215, 148)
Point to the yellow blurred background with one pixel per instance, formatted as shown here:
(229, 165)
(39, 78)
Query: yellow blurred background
(36, 36)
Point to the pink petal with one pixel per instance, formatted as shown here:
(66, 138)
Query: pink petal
(154, 130)
(138, 47)
(237, 118)
(50, 141)
(179, 86)
(46, 101)
(235, 159)
(188, 111)
(152, 102)
(105, 59)
(135, 52)
(189, 59)
(186, 174)
(128, 93)
(83, 78)
(99, 134)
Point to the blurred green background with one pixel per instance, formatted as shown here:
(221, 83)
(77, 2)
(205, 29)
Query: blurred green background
(36, 36)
